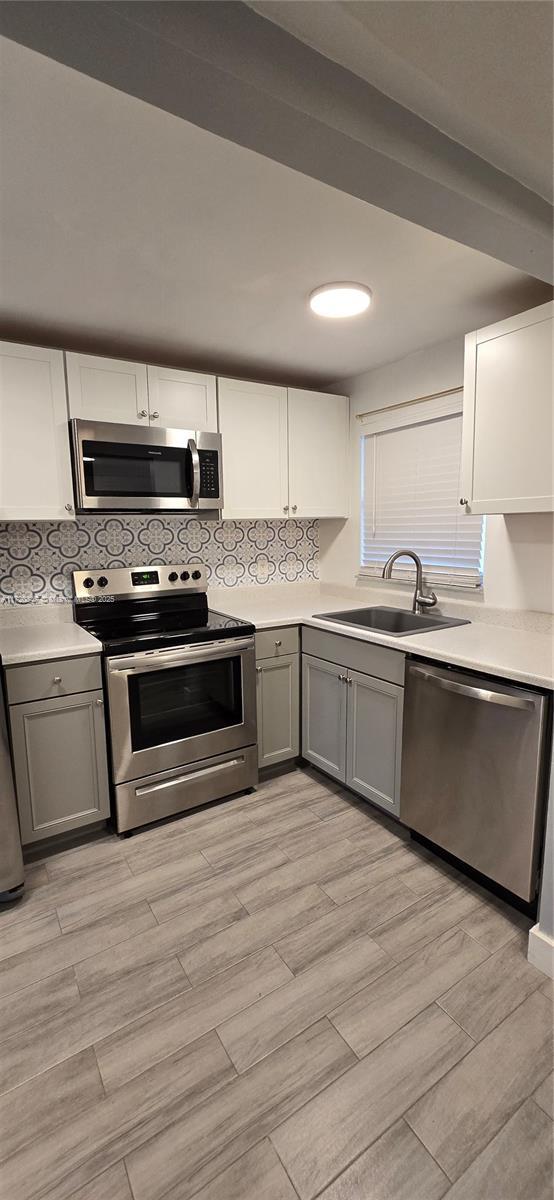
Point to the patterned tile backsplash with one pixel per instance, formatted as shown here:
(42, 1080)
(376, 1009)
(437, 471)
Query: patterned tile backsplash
(36, 559)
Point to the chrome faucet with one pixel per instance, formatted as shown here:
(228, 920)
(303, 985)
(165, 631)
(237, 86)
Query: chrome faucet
(421, 600)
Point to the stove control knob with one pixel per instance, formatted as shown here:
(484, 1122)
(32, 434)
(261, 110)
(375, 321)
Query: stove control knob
(88, 582)
(173, 576)
(196, 574)
(184, 576)
(102, 582)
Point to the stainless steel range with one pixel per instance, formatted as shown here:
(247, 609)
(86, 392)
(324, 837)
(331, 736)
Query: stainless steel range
(181, 689)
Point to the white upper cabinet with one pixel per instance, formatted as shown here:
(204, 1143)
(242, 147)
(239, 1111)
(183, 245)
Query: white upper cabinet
(182, 399)
(507, 430)
(318, 443)
(107, 389)
(253, 425)
(284, 451)
(35, 465)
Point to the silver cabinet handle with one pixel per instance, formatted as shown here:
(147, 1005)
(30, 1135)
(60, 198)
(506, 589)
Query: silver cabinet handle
(57, 679)
(100, 703)
(464, 501)
(349, 682)
(475, 693)
(258, 670)
(69, 508)
(154, 415)
(342, 678)
(195, 471)
(285, 508)
(294, 507)
(278, 643)
(143, 413)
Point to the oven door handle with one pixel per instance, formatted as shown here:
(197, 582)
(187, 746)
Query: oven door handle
(142, 664)
(195, 472)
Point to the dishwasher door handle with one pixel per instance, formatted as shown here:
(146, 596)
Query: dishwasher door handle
(475, 693)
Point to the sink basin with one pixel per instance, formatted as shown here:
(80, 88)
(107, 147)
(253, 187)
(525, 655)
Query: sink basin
(395, 621)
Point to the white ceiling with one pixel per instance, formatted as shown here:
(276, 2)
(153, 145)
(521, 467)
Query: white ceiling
(481, 71)
(126, 229)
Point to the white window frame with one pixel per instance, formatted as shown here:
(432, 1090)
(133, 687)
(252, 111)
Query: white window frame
(417, 412)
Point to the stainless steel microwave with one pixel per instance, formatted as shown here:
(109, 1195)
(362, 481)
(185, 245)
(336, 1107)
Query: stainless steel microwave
(129, 468)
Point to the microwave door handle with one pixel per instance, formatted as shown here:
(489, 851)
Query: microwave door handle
(195, 472)
(475, 693)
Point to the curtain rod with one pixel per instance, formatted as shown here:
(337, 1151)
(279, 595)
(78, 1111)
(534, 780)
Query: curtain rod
(373, 412)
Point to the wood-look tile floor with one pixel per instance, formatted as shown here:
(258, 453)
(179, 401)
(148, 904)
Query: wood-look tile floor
(278, 997)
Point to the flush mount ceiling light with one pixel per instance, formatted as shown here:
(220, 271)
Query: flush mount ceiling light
(340, 299)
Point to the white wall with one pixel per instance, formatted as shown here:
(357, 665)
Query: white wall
(518, 549)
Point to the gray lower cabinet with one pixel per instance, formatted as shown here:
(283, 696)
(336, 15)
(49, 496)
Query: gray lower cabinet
(324, 715)
(352, 729)
(277, 688)
(60, 765)
(374, 739)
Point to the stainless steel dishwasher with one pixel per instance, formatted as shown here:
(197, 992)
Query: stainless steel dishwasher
(473, 771)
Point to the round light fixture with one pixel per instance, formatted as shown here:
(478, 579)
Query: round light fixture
(340, 299)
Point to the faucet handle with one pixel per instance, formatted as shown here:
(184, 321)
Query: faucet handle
(426, 600)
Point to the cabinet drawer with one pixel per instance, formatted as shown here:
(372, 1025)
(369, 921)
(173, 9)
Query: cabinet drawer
(356, 654)
(59, 677)
(270, 643)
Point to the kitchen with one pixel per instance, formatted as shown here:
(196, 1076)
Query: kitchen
(280, 869)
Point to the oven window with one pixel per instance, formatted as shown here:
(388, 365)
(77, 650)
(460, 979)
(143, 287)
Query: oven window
(166, 706)
(113, 469)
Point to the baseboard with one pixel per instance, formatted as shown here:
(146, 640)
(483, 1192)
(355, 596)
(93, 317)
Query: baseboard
(540, 951)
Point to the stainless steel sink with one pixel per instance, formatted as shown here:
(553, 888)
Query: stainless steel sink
(395, 621)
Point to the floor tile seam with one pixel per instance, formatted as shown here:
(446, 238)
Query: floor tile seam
(475, 1046)
(435, 1000)
(268, 1133)
(539, 1107)
(453, 1179)
(71, 965)
(323, 1016)
(97, 1041)
(349, 940)
(512, 937)
(455, 925)
(439, 999)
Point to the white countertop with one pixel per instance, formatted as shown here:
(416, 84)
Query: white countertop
(39, 643)
(519, 654)
(527, 657)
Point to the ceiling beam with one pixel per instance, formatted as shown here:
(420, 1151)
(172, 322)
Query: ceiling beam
(228, 70)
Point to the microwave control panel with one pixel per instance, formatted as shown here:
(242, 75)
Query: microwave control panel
(209, 474)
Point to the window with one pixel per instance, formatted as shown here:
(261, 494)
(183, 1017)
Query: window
(410, 494)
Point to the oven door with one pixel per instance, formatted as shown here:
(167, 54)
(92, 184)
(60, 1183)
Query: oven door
(172, 707)
(130, 468)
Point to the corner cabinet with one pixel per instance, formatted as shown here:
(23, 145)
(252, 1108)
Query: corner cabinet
(507, 461)
(352, 719)
(284, 451)
(112, 389)
(35, 463)
(59, 747)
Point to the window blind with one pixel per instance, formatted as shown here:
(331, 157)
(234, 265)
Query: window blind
(410, 498)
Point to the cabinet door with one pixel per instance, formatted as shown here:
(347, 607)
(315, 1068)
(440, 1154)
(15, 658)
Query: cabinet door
(278, 708)
(507, 463)
(182, 399)
(35, 463)
(374, 739)
(253, 425)
(324, 715)
(107, 389)
(60, 764)
(318, 445)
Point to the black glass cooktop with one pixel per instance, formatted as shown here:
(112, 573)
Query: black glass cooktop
(123, 629)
